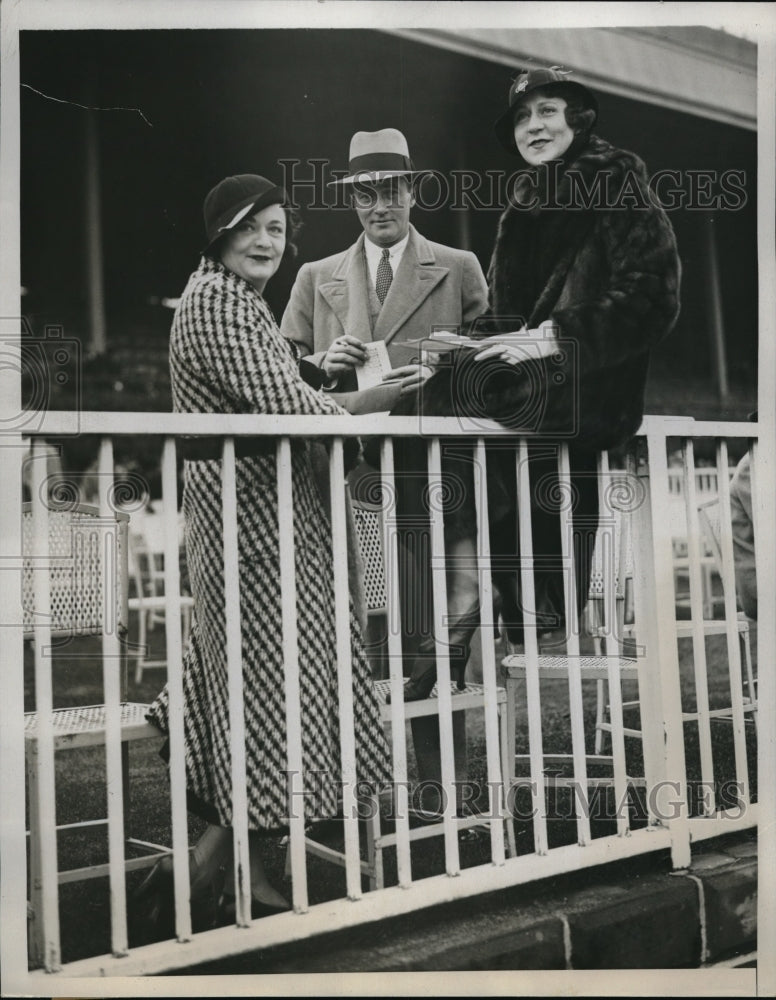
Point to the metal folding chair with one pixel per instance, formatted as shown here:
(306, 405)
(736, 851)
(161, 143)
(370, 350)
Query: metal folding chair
(708, 511)
(146, 561)
(709, 519)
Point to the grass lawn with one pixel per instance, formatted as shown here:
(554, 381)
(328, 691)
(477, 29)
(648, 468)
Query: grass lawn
(84, 906)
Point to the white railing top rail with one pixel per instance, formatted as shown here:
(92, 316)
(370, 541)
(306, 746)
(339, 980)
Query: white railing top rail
(65, 423)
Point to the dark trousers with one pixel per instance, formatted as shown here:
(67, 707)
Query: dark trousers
(548, 499)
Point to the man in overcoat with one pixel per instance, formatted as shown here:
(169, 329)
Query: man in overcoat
(337, 304)
(396, 286)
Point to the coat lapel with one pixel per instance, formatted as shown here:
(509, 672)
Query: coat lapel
(417, 276)
(346, 293)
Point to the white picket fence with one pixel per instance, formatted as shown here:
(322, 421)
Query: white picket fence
(635, 658)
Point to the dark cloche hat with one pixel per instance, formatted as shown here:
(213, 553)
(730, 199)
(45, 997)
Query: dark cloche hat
(544, 78)
(235, 197)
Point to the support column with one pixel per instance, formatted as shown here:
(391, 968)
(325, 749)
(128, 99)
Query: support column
(716, 318)
(93, 223)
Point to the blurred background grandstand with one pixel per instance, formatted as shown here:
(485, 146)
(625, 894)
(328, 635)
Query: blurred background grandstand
(111, 199)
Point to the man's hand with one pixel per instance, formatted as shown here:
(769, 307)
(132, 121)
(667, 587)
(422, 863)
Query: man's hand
(345, 353)
(412, 377)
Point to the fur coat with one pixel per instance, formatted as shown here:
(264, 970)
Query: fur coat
(589, 248)
(583, 244)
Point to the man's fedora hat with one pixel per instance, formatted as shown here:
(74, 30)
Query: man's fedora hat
(376, 156)
(542, 78)
(235, 197)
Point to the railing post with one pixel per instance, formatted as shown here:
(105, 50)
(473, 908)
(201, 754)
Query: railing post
(727, 571)
(698, 636)
(176, 709)
(444, 695)
(344, 669)
(582, 789)
(498, 770)
(393, 639)
(111, 663)
(13, 860)
(613, 542)
(44, 887)
(289, 622)
(532, 683)
(659, 685)
(232, 609)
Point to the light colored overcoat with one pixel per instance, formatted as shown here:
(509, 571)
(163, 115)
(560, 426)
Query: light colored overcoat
(434, 286)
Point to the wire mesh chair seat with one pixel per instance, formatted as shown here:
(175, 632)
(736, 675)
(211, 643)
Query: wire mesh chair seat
(85, 725)
(79, 541)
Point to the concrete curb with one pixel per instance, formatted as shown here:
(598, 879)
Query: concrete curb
(634, 915)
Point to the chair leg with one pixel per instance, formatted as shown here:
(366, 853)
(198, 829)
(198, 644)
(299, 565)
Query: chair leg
(507, 772)
(186, 627)
(600, 711)
(142, 641)
(374, 854)
(35, 905)
(745, 642)
(708, 593)
(510, 685)
(600, 701)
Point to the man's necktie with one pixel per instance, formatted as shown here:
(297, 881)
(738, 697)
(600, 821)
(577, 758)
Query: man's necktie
(384, 276)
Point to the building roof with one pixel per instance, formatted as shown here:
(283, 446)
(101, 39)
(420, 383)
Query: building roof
(699, 70)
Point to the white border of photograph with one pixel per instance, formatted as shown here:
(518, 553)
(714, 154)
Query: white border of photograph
(754, 21)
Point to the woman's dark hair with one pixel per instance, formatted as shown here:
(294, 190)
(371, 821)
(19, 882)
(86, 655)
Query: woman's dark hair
(294, 225)
(578, 117)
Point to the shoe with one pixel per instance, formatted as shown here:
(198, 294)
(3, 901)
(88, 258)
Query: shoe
(424, 673)
(159, 878)
(154, 900)
(420, 684)
(227, 910)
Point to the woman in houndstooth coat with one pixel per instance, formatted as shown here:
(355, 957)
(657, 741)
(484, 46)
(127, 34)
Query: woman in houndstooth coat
(227, 356)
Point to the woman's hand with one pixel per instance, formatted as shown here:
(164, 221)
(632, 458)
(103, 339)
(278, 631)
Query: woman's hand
(412, 376)
(345, 353)
(539, 343)
(504, 352)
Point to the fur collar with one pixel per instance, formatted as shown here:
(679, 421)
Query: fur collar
(595, 176)
(551, 212)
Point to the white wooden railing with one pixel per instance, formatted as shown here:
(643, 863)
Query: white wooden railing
(670, 821)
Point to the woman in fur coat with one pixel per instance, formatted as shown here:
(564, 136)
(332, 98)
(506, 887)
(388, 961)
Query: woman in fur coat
(585, 255)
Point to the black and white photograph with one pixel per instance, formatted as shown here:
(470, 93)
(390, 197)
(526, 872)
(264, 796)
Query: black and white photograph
(388, 491)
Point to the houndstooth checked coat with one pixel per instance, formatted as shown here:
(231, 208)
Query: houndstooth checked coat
(227, 356)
